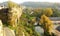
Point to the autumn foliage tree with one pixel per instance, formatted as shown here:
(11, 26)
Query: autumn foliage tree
(12, 4)
(14, 13)
(47, 25)
(47, 11)
(40, 11)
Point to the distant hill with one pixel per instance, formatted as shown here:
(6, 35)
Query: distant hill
(4, 3)
(37, 4)
(41, 4)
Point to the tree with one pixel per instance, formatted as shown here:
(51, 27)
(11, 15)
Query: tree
(37, 12)
(40, 11)
(56, 12)
(12, 4)
(47, 11)
(14, 13)
(47, 25)
(27, 25)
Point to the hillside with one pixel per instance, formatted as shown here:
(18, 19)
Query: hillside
(37, 4)
(4, 3)
(41, 4)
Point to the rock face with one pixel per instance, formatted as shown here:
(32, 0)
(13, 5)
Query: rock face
(8, 32)
(5, 31)
(1, 29)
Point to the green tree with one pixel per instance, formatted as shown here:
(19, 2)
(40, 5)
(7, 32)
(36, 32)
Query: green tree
(56, 13)
(27, 24)
(37, 12)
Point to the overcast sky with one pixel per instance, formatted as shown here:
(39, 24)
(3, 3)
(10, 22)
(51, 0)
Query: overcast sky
(21, 1)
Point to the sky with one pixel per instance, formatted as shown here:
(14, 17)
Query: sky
(21, 1)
